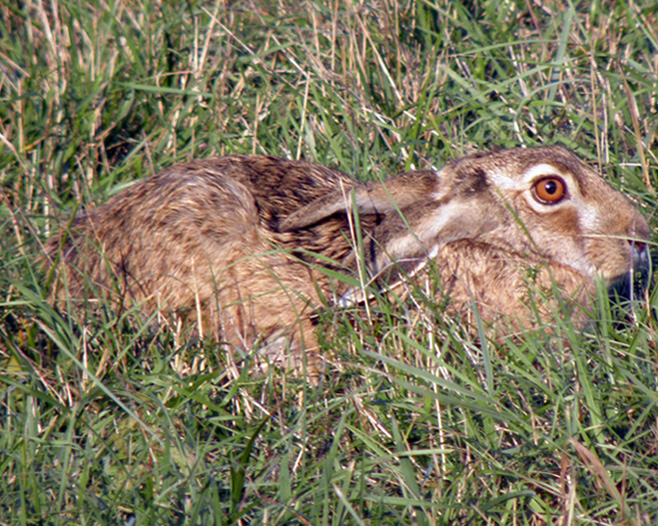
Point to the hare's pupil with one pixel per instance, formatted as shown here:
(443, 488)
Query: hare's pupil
(550, 187)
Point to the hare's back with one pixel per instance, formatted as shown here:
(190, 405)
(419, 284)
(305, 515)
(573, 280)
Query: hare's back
(280, 186)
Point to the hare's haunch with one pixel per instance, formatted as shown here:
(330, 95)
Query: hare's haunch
(243, 248)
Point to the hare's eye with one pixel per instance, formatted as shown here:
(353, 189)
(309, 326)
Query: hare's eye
(549, 190)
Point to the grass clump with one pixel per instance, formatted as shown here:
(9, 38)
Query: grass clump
(106, 421)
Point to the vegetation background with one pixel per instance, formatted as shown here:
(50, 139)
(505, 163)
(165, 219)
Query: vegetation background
(106, 421)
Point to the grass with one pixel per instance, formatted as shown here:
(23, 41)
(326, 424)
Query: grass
(107, 422)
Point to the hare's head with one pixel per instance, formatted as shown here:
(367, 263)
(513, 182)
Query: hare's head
(558, 208)
(541, 202)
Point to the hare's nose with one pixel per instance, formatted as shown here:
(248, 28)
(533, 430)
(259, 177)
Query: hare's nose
(640, 254)
(639, 248)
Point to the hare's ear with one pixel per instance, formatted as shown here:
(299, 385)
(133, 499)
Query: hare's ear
(379, 197)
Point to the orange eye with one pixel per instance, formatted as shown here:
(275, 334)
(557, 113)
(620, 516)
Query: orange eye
(549, 190)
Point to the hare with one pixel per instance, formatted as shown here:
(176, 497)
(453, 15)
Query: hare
(200, 241)
(246, 249)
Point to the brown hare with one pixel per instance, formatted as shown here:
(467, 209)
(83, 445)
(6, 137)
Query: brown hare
(246, 248)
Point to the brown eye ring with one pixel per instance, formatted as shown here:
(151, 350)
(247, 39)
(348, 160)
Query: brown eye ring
(549, 190)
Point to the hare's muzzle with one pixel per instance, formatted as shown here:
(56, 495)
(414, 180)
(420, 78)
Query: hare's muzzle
(640, 255)
(631, 285)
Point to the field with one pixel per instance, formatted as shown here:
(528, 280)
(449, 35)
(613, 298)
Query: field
(108, 421)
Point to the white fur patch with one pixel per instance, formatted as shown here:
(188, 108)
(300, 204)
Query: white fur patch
(589, 216)
(501, 180)
(442, 187)
(541, 169)
(431, 227)
(428, 233)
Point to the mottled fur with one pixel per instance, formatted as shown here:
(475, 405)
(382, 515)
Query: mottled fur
(237, 246)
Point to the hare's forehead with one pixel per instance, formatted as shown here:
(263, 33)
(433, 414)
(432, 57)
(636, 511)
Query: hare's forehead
(521, 178)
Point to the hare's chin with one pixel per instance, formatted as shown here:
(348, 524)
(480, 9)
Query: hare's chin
(631, 285)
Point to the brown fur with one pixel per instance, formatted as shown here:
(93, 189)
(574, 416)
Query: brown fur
(239, 247)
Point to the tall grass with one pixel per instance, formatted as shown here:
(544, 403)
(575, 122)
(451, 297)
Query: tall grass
(106, 421)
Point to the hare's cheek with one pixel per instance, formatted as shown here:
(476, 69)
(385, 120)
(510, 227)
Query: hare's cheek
(562, 235)
(565, 221)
